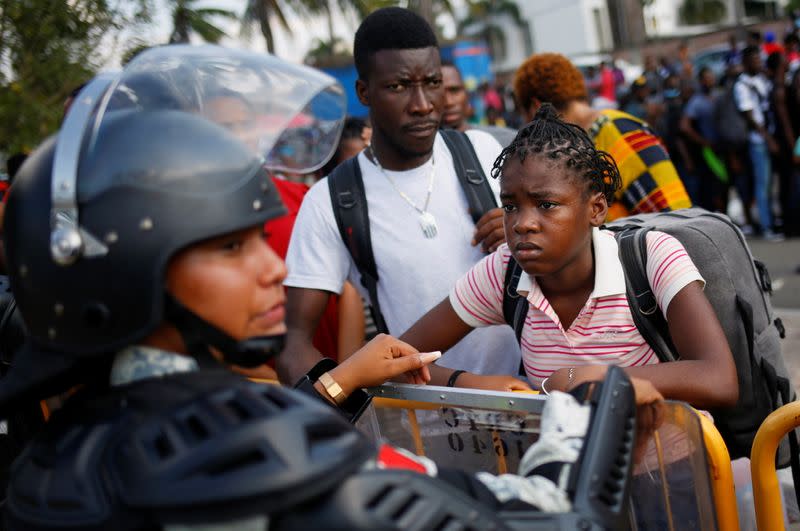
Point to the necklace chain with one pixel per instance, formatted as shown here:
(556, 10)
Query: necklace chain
(422, 210)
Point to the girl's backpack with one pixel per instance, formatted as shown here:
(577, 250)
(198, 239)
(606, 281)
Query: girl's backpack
(738, 287)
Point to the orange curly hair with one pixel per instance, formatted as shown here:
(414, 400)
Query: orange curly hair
(549, 77)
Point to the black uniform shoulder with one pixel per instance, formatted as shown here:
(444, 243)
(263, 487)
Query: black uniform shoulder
(196, 447)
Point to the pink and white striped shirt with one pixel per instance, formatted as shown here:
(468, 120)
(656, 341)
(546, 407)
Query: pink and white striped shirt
(603, 332)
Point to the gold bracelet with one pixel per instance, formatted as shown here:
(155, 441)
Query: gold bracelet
(333, 389)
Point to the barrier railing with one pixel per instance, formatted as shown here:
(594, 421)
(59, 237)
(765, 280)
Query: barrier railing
(721, 476)
(766, 489)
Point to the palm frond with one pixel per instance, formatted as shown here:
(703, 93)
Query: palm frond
(205, 29)
(214, 12)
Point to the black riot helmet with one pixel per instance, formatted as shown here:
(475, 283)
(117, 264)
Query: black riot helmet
(139, 171)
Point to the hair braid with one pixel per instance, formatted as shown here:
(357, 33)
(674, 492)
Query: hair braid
(549, 136)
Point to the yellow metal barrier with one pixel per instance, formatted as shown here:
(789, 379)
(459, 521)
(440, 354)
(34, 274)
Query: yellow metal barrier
(719, 469)
(766, 490)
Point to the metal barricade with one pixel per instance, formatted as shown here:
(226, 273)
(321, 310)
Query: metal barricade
(476, 430)
(721, 476)
(766, 489)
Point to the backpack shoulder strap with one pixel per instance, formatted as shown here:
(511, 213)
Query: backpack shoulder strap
(349, 201)
(649, 321)
(515, 308)
(480, 196)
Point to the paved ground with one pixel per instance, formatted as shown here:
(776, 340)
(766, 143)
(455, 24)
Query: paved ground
(791, 345)
(782, 260)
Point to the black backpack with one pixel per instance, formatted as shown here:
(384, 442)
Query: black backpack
(350, 209)
(738, 288)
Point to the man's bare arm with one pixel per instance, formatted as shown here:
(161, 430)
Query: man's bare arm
(304, 309)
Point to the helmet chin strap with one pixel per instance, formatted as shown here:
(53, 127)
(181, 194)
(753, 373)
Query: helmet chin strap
(199, 335)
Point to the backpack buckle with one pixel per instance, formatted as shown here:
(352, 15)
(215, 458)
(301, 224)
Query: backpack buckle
(779, 325)
(473, 176)
(347, 199)
(763, 276)
(647, 302)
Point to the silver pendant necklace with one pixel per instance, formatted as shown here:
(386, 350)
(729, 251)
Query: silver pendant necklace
(426, 220)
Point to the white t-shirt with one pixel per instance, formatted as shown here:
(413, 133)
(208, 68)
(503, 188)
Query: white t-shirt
(751, 93)
(415, 273)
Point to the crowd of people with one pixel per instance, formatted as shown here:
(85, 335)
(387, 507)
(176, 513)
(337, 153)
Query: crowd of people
(699, 114)
(733, 125)
(155, 255)
(737, 126)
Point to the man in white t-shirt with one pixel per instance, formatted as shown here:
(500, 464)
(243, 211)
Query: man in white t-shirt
(412, 193)
(751, 93)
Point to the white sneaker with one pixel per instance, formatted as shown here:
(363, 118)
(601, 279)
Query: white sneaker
(770, 236)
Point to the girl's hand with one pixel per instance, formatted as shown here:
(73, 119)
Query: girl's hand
(560, 380)
(381, 359)
(491, 383)
(649, 406)
(649, 414)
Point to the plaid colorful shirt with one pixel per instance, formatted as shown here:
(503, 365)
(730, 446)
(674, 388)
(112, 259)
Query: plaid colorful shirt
(650, 182)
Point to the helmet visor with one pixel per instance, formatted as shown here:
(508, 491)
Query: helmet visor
(289, 115)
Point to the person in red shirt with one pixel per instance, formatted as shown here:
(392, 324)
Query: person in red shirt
(770, 45)
(341, 329)
(608, 83)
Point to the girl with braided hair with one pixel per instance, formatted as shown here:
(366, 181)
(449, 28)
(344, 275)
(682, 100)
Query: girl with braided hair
(556, 188)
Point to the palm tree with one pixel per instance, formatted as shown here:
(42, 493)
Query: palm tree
(332, 46)
(483, 15)
(187, 19)
(328, 53)
(262, 12)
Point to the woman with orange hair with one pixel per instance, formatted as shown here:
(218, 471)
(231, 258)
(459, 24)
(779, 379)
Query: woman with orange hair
(650, 182)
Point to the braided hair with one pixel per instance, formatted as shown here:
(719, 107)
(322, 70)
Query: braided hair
(549, 136)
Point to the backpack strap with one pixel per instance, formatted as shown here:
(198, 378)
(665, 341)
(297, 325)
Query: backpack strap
(349, 201)
(515, 308)
(649, 321)
(480, 196)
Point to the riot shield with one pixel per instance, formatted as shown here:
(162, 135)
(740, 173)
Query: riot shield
(476, 430)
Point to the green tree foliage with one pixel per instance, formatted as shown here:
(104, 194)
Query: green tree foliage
(47, 48)
(333, 50)
(187, 18)
(326, 53)
(264, 13)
